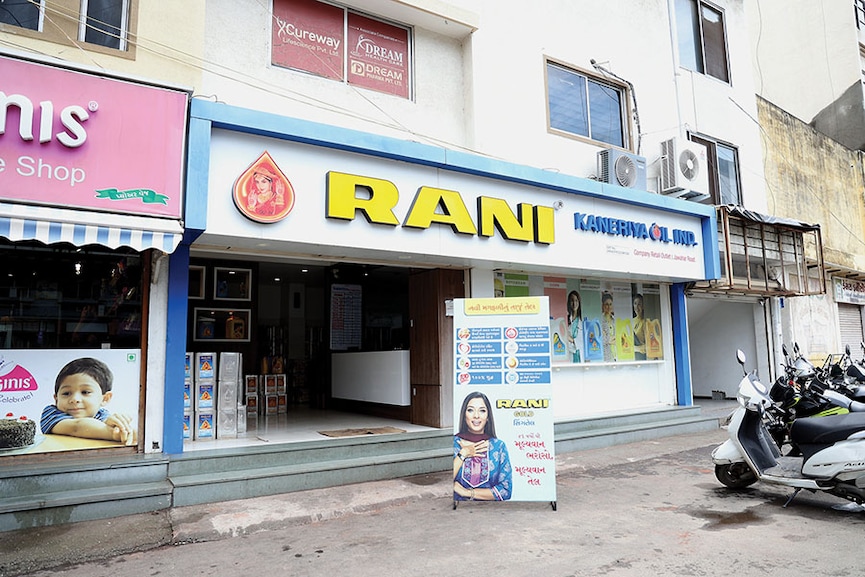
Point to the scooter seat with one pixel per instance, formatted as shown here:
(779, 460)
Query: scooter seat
(826, 430)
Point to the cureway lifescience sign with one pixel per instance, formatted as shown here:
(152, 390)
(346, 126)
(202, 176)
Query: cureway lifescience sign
(79, 140)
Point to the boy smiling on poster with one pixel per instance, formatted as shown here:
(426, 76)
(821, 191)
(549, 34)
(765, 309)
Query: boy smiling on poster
(81, 391)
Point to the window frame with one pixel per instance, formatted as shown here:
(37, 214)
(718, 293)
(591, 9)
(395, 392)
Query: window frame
(623, 91)
(40, 19)
(84, 17)
(60, 23)
(713, 160)
(345, 72)
(697, 40)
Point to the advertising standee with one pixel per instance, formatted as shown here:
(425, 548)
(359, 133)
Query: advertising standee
(503, 427)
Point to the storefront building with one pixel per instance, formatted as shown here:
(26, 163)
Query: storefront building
(349, 247)
(90, 202)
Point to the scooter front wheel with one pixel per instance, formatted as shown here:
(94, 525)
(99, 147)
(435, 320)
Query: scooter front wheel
(735, 475)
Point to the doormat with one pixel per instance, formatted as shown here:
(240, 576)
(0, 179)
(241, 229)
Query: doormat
(359, 432)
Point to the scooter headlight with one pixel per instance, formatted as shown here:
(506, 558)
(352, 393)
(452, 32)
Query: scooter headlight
(753, 394)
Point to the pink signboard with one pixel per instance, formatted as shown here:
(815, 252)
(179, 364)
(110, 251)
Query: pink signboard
(308, 36)
(79, 140)
(378, 56)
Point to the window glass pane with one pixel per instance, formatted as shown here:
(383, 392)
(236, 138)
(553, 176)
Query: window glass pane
(104, 22)
(728, 175)
(688, 33)
(62, 297)
(21, 13)
(713, 40)
(567, 101)
(605, 108)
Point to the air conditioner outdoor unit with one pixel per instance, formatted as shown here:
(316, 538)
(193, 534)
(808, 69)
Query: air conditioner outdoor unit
(622, 168)
(684, 169)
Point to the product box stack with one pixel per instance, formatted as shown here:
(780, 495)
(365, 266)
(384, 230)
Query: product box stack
(271, 399)
(205, 397)
(230, 365)
(281, 394)
(252, 392)
(187, 398)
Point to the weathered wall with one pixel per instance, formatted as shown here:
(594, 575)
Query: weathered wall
(812, 178)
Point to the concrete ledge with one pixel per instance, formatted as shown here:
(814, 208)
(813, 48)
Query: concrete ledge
(263, 481)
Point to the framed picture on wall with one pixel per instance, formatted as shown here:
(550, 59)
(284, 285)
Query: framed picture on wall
(221, 324)
(197, 281)
(232, 284)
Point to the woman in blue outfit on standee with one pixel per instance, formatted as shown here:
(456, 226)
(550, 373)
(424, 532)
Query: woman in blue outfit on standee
(482, 467)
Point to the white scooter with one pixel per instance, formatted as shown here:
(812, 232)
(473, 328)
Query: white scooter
(833, 449)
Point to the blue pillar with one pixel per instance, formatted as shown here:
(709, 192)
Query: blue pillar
(681, 346)
(175, 350)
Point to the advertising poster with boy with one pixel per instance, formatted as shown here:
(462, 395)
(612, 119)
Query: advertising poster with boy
(503, 415)
(78, 398)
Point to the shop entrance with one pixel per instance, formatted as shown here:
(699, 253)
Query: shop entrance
(339, 333)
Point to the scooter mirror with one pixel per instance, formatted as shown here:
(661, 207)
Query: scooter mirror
(740, 356)
(847, 350)
(784, 349)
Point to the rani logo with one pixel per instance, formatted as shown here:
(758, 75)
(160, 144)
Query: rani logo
(263, 193)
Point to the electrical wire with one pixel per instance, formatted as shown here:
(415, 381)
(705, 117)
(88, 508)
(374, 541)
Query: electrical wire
(633, 92)
(388, 121)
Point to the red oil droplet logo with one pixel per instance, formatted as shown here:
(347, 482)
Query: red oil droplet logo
(263, 193)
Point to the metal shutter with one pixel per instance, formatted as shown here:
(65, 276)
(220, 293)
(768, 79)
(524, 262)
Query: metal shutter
(850, 322)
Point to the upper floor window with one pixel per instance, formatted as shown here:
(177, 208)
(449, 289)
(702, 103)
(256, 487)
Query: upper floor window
(340, 44)
(22, 13)
(702, 38)
(586, 106)
(723, 161)
(859, 8)
(104, 23)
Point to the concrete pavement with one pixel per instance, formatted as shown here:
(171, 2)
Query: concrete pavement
(652, 507)
(34, 549)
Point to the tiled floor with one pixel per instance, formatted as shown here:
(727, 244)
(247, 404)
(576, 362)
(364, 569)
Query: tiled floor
(299, 424)
(303, 424)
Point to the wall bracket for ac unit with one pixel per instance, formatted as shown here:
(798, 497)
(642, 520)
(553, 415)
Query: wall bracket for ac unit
(685, 194)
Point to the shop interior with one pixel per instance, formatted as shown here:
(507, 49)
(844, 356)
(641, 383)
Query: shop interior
(289, 318)
(65, 297)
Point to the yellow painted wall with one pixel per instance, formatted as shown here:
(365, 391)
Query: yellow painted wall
(168, 45)
(814, 179)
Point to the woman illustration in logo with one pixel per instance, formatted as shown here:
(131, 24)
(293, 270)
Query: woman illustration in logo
(266, 194)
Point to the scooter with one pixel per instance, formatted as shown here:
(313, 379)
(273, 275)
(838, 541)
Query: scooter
(833, 448)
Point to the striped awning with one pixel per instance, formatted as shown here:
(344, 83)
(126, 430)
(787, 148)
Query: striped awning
(53, 225)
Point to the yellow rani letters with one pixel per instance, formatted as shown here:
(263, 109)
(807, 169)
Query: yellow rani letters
(379, 198)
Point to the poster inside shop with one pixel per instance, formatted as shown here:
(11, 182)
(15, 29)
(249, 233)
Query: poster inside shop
(594, 320)
(503, 423)
(68, 399)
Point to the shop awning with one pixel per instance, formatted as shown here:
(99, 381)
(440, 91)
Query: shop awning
(52, 225)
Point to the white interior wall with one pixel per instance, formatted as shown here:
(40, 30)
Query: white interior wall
(717, 328)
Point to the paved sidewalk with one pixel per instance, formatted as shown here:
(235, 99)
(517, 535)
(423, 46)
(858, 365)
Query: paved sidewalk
(35, 549)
